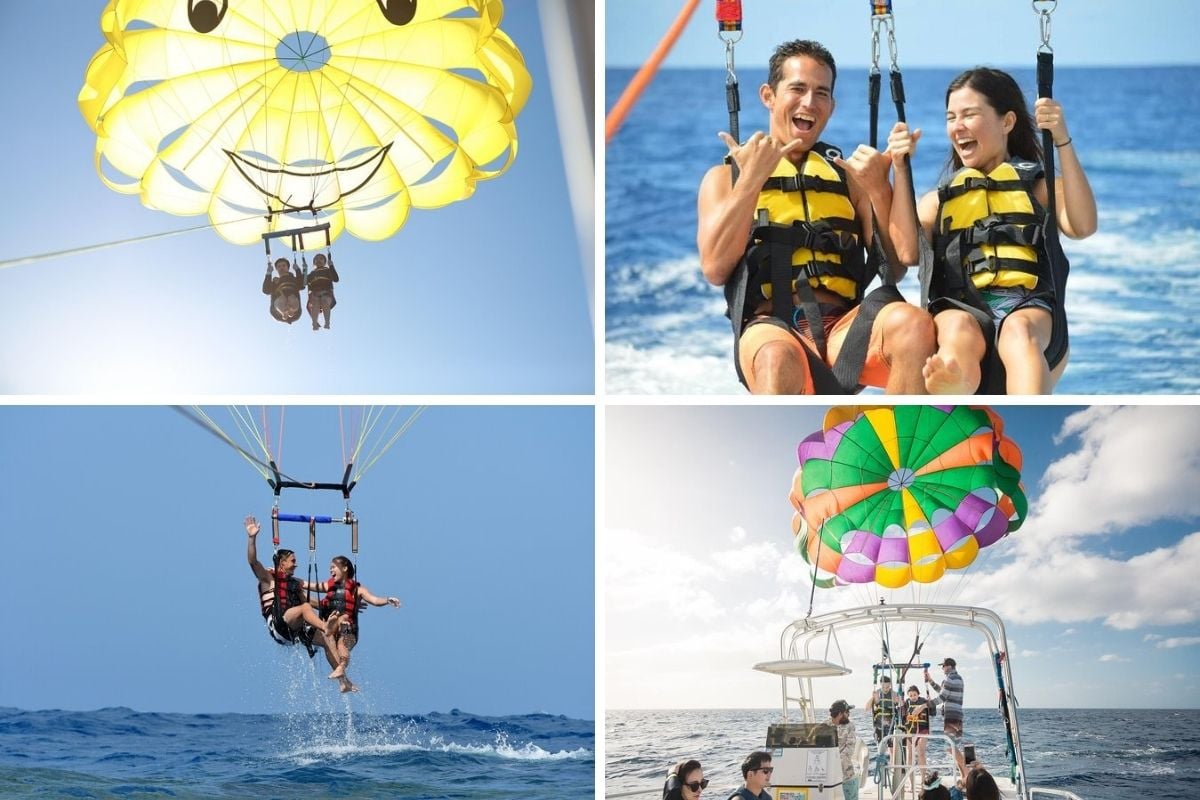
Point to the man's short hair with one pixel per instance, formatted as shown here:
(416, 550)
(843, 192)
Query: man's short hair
(283, 261)
(799, 47)
(281, 554)
(319, 258)
(754, 761)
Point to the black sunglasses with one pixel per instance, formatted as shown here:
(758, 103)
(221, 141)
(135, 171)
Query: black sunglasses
(696, 786)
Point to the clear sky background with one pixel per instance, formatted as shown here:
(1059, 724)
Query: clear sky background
(1098, 587)
(127, 582)
(929, 33)
(484, 296)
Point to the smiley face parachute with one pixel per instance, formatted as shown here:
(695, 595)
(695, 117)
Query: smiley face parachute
(261, 113)
(892, 495)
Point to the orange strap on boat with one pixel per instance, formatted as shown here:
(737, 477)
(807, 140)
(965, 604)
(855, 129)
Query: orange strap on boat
(641, 80)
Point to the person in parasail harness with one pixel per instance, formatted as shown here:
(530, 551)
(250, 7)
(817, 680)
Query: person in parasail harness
(789, 187)
(986, 223)
(288, 615)
(320, 290)
(284, 290)
(340, 605)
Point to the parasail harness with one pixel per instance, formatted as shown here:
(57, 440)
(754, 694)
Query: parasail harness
(336, 598)
(768, 259)
(296, 238)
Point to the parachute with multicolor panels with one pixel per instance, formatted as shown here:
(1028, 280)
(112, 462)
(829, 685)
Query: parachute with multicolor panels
(893, 495)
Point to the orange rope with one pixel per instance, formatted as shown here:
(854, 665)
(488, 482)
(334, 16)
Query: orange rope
(644, 75)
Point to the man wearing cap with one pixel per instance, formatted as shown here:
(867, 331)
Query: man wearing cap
(950, 697)
(839, 717)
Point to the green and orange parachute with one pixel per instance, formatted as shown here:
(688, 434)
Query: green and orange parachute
(890, 495)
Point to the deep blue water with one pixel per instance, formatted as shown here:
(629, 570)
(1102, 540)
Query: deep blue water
(1132, 299)
(119, 753)
(1099, 754)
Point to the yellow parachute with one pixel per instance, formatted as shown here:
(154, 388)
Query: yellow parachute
(270, 113)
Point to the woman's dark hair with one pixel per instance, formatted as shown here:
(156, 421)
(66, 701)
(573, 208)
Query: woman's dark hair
(345, 564)
(980, 785)
(936, 793)
(281, 554)
(1003, 95)
(799, 47)
(673, 789)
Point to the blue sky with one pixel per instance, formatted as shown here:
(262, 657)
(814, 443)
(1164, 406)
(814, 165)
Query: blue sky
(128, 583)
(485, 296)
(946, 34)
(1098, 587)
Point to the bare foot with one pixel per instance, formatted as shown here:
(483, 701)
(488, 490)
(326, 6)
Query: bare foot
(327, 328)
(347, 686)
(338, 672)
(944, 376)
(333, 625)
(316, 327)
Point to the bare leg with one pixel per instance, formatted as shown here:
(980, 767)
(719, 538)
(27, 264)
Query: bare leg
(906, 336)
(344, 644)
(777, 370)
(954, 368)
(304, 612)
(1022, 346)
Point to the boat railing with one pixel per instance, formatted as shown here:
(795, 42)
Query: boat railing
(902, 769)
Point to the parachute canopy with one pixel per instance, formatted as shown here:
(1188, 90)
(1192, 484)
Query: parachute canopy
(893, 495)
(351, 111)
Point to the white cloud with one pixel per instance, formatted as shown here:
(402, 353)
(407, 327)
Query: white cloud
(1151, 637)
(1133, 465)
(1068, 632)
(738, 534)
(1068, 585)
(1178, 641)
(1110, 657)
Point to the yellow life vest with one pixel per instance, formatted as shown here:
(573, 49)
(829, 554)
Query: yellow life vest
(991, 224)
(815, 193)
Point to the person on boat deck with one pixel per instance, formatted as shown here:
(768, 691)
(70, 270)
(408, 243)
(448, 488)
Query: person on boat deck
(932, 788)
(288, 615)
(284, 290)
(799, 100)
(320, 289)
(883, 704)
(916, 721)
(685, 781)
(992, 134)
(343, 598)
(839, 717)
(756, 777)
(950, 697)
(980, 785)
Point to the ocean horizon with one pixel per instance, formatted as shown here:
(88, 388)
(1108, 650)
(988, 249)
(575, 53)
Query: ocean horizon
(1099, 754)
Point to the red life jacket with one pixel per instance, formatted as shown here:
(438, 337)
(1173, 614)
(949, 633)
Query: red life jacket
(286, 594)
(341, 597)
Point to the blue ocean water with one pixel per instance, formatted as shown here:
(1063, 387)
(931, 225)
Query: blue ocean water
(1132, 298)
(119, 753)
(1099, 754)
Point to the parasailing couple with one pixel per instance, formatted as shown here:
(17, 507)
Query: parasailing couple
(292, 618)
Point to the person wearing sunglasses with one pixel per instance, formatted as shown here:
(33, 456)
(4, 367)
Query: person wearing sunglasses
(685, 781)
(756, 772)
